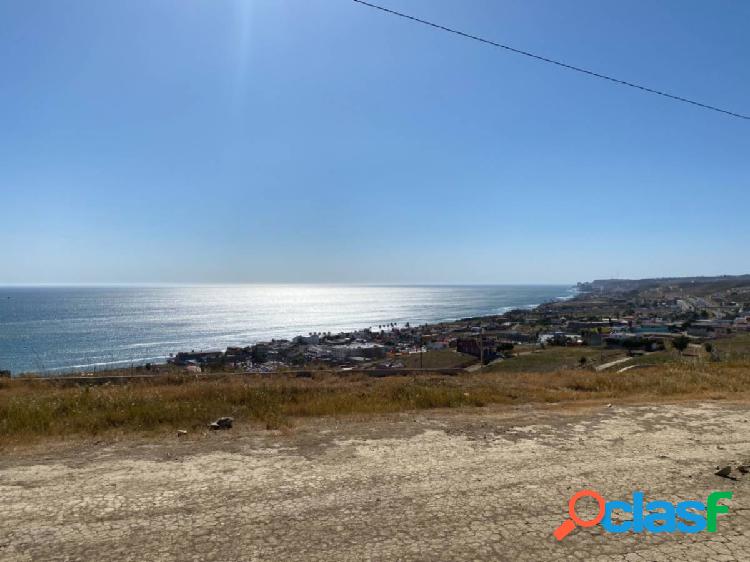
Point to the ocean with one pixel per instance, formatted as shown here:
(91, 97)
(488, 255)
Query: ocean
(60, 329)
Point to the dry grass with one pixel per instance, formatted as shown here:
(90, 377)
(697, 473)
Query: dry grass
(554, 359)
(37, 409)
(736, 348)
(438, 359)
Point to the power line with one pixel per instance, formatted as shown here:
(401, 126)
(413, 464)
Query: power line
(551, 61)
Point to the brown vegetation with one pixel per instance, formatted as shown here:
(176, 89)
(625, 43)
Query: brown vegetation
(36, 409)
(439, 359)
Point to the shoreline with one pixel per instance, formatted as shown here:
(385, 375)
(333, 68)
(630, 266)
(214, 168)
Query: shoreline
(109, 366)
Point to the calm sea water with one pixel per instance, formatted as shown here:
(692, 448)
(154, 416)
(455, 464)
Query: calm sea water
(85, 328)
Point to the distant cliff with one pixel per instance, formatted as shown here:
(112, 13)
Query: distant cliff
(721, 282)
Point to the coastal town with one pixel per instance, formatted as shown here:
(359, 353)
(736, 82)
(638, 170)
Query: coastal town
(637, 318)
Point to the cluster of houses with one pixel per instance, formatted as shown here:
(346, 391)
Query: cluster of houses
(316, 348)
(380, 348)
(646, 322)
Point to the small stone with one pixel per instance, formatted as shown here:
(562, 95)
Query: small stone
(181, 432)
(724, 471)
(609, 405)
(222, 423)
(744, 468)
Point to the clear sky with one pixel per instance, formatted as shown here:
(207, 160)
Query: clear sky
(322, 141)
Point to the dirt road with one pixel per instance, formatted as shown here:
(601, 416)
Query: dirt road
(483, 484)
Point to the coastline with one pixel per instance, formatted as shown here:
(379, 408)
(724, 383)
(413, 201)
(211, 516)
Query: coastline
(569, 291)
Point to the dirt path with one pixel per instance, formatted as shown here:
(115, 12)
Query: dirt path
(488, 484)
(614, 363)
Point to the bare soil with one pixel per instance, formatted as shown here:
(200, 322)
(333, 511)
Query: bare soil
(463, 484)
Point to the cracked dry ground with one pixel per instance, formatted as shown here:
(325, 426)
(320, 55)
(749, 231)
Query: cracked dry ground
(484, 484)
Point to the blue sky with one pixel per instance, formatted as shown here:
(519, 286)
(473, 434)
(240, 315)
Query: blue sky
(322, 141)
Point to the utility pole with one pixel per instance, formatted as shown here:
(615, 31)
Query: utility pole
(421, 352)
(481, 346)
